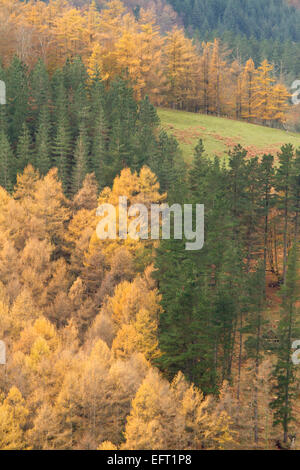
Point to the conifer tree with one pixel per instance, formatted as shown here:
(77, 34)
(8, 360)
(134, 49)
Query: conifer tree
(122, 112)
(255, 324)
(163, 163)
(147, 124)
(266, 180)
(62, 152)
(198, 171)
(6, 162)
(287, 331)
(182, 65)
(284, 195)
(99, 156)
(17, 97)
(24, 149)
(42, 141)
(296, 194)
(248, 90)
(13, 414)
(39, 89)
(81, 156)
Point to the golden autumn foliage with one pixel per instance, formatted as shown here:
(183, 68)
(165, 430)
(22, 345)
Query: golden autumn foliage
(13, 414)
(81, 322)
(171, 69)
(81, 343)
(142, 188)
(165, 416)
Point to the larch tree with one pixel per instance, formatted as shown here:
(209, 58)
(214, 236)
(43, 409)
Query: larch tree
(248, 90)
(263, 85)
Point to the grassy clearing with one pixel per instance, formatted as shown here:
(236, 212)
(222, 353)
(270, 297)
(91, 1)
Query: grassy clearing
(221, 134)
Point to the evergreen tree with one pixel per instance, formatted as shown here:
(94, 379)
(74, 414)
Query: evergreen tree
(75, 80)
(40, 92)
(163, 163)
(62, 152)
(198, 175)
(81, 155)
(6, 162)
(24, 149)
(284, 195)
(266, 182)
(99, 156)
(288, 331)
(147, 124)
(43, 141)
(17, 97)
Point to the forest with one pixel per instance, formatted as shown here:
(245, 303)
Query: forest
(133, 344)
(170, 69)
(251, 28)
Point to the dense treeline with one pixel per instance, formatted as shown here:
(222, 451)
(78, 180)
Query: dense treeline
(169, 68)
(271, 19)
(131, 344)
(77, 310)
(85, 323)
(79, 126)
(215, 300)
(79, 317)
(252, 28)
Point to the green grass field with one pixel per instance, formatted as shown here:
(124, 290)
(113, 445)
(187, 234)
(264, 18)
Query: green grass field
(220, 134)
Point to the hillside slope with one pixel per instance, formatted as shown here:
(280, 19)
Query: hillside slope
(221, 134)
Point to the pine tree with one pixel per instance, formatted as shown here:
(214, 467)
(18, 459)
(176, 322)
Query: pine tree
(283, 372)
(6, 162)
(255, 324)
(197, 173)
(122, 112)
(17, 97)
(99, 156)
(13, 414)
(266, 181)
(40, 92)
(62, 152)
(296, 194)
(147, 124)
(42, 141)
(24, 149)
(165, 165)
(81, 156)
(75, 80)
(284, 196)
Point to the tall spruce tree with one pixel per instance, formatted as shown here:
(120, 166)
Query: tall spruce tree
(284, 181)
(62, 152)
(17, 97)
(40, 93)
(147, 124)
(43, 141)
(6, 162)
(266, 181)
(81, 156)
(24, 150)
(99, 155)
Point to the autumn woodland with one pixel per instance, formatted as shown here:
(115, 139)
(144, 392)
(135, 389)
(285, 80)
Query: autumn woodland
(131, 344)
